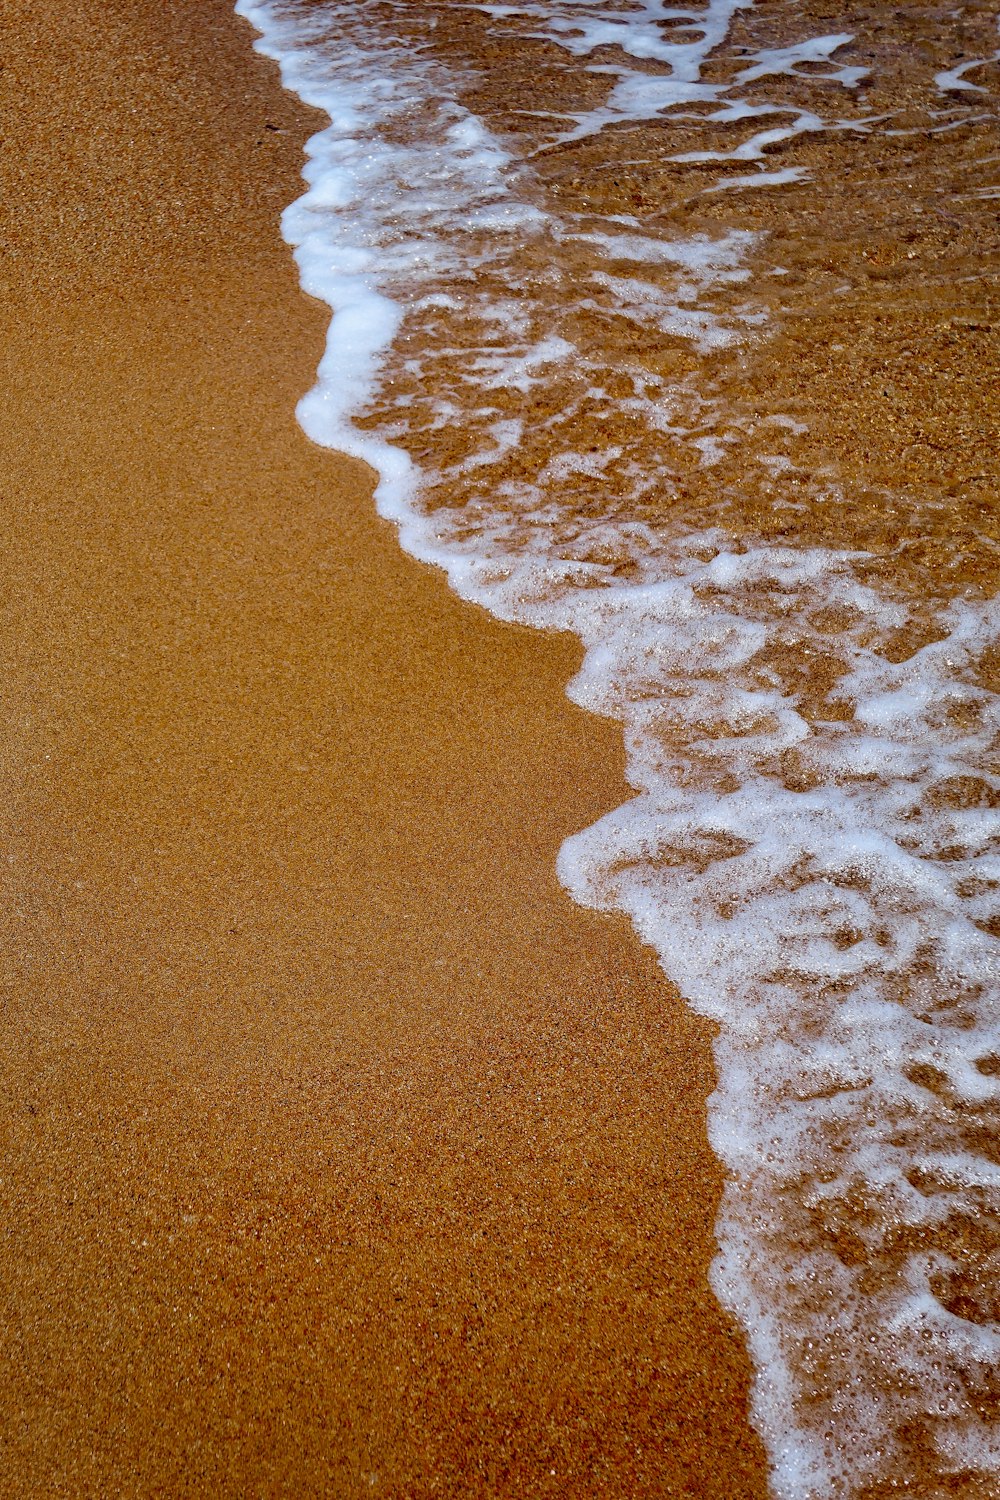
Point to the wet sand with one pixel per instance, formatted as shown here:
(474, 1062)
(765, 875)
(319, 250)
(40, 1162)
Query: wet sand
(342, 1153)
(880, 333)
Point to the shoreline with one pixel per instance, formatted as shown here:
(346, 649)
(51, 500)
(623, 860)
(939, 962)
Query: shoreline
(345, 1154)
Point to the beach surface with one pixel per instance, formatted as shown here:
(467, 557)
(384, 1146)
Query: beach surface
(343, 1154)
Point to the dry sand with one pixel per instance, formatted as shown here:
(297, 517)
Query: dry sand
(342, 1153)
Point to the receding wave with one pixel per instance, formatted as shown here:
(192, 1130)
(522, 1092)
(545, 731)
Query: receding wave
(557, 392)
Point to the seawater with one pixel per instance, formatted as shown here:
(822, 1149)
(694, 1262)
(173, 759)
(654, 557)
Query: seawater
(550, 378)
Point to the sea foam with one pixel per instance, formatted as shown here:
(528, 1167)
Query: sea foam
(816, 866)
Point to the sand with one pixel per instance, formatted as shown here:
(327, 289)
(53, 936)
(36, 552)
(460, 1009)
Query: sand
(343, 1155)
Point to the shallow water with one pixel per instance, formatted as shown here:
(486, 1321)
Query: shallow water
(675, 327)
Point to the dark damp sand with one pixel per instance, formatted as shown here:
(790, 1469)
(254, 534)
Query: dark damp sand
(343, 1154)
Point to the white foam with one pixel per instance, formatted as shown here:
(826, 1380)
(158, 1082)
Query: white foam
(953, 80)
(775, 61)
(582, 27)
(815, 875)
(780, 177)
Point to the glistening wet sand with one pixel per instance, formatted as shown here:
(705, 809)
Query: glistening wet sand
(343, 1154)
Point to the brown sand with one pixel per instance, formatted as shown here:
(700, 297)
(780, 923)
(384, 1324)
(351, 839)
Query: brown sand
(343, 1154)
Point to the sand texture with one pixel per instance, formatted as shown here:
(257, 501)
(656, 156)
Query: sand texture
(342, 1154)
